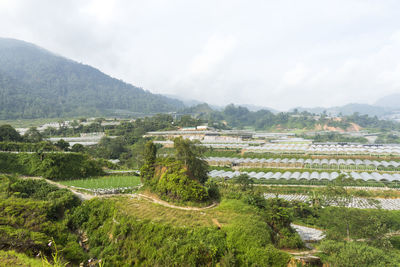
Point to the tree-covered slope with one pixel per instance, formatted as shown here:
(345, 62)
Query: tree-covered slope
(36, 83)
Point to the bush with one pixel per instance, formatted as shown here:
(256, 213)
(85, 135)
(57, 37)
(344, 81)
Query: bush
(27, 147)
(356, 254)
(174, 184)
(32, 213)
(55, 166)
(123, 240)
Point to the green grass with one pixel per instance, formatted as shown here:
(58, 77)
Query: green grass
(225, 213)
(104, 182)
(12, 258)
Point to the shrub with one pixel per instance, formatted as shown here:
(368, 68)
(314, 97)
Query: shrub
(54, 166)
(356, 254)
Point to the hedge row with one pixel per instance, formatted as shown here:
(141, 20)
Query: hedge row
(55, 166)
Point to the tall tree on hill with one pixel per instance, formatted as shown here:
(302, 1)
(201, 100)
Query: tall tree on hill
(192, 157)
(148, 168)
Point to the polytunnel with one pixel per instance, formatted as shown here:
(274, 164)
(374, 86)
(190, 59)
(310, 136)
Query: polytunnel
(276, 175)
(295, 175)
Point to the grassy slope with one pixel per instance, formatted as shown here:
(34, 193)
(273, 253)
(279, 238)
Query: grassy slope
(12, 258)
(222, 215)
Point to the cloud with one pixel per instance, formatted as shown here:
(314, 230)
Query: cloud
(213, 53)
(295, 76)
(273, 53)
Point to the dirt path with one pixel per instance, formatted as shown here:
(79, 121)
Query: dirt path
(166, 204)
(86, 196)
(82, 196)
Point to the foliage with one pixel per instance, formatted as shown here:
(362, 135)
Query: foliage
(65, 87)
(32, 213)
(388, 138)
(244, 181)
(27, 147)
(191, 155)
(111, 148)
(174, 184)
(54, 166)
(147, 170)
(9, 134)
(240, 117)
(33, 135)
(245, 241)
(334, 137)
(178, 179)
(12, 258)
(276, 213)
(62, 145)
(349, 254)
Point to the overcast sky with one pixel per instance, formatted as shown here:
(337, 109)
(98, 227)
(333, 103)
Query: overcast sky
(278, 54)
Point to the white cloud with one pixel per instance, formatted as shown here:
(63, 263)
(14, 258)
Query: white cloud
(214, 51)
(295, 76)
(274, 53)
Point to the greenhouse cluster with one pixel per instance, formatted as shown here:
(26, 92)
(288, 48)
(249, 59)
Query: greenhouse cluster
(346, 164)
(326, 149)
(357, 202)
(311, 149)
(329, 176)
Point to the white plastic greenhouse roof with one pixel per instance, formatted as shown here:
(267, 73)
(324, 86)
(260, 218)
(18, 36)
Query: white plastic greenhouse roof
(306, 175)
(312, 148)
(348, 162)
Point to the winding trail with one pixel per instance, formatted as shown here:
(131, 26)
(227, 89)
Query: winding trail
(86, 196)
(80, 195)
(166, 204)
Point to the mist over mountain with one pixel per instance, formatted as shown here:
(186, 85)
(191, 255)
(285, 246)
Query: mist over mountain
(349, 109)
(389, 101)
(35, 83)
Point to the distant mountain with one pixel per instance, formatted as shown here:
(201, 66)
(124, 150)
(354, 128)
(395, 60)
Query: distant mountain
(349, 109)
(35, 83)
(257, 108)
(200, 109)
(389, 101)
(187, 101)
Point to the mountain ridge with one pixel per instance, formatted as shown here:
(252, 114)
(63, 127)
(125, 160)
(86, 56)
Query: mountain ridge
(36, 83)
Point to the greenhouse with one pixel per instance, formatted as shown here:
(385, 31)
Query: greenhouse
(342, 164)
(314, 148)
(308, 176)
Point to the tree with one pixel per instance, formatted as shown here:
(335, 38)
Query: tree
(33, 135)
(74, 124)
(111, 148)
(148, 168)
(244, 180)
(9, 134)
(347, 254)
(188, 121)
(62, 144)
(77, 148)
(150, 153)
(337, 195)
(191, 155)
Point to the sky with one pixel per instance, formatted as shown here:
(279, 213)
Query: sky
(279, 54)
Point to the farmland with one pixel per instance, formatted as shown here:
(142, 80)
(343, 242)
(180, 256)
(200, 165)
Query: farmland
(104, 182)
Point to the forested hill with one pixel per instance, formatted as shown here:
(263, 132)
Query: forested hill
(35, 83)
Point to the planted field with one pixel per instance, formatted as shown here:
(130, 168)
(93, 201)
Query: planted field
(105, 182)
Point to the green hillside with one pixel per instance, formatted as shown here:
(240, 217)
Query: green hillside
(35, 83)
